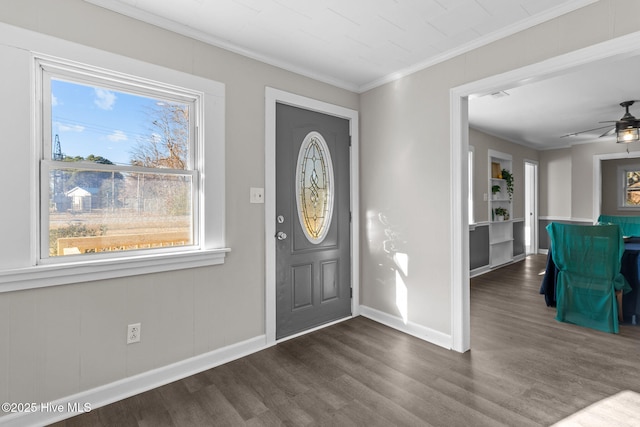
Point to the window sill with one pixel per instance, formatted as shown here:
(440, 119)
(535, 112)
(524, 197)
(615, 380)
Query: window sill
(52, 275)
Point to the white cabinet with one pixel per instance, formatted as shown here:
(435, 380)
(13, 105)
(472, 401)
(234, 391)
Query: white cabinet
(500, 209)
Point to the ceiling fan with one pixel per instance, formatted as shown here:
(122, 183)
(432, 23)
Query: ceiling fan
(626, 128)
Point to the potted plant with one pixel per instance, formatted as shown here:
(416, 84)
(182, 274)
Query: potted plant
(495, 189)
(501, 213)
(506, 175)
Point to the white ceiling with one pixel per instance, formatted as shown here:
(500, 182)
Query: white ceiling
(547, 114)
(353, 44)
(360, 44)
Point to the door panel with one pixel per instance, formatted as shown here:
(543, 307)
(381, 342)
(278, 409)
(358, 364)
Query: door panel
(329, 280)
(302, 286)
(313, 269)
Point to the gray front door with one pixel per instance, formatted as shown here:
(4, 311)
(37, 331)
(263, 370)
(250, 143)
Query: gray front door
(313, 268)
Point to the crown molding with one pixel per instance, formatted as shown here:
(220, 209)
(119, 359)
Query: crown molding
(168, 24)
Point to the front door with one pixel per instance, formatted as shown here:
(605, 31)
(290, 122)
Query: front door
(313, 268)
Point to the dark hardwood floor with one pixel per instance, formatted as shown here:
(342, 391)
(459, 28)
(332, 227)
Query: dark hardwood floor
(524, 369)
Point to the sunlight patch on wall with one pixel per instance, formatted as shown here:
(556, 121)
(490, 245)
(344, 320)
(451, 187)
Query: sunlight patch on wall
(402, 297)
(402, 262)
(384, 239)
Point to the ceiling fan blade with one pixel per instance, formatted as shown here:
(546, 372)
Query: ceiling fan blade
(608, 133)
(627, 120)
(585, 131)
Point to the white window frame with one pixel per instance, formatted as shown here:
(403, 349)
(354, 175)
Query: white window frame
(622, 186)
(47, 70)
(20, 266)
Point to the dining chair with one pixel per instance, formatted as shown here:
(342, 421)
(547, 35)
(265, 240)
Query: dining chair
(588, 259)
(629, 224)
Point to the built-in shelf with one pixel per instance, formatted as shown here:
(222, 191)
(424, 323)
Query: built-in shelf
(500, 232)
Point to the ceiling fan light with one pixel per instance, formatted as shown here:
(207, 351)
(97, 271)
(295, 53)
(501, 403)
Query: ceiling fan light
(628, 134)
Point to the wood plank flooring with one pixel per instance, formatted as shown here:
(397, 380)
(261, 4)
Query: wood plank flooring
(524, 369)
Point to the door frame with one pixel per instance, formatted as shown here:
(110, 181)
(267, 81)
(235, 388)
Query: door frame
(536, 192)
(597, 176)
(272, 97)
(619, 47)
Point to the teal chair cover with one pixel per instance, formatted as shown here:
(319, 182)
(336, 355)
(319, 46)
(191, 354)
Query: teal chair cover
(630, 225)
(588, 261)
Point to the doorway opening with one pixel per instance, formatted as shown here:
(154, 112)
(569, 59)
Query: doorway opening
(620, 47)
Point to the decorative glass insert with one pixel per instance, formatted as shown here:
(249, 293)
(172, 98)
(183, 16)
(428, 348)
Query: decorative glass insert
(314, 187)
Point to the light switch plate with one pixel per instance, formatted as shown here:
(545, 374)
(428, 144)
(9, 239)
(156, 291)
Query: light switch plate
(256, 195)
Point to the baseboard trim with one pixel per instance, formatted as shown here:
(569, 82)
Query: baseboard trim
(479, 271)
(419, 331)
(127, 387)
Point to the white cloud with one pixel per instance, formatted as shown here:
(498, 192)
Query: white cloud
(54, 100)
(117, 135)
(69, 128)
(104, 98)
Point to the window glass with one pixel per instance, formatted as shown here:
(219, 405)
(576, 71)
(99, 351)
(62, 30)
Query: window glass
(106, 211)
(92, 123)
(117, 168)
(632, 188)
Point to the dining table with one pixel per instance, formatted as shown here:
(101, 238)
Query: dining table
(630, 269)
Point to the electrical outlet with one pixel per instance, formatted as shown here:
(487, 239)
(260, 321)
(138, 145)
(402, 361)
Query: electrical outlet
(133, 333)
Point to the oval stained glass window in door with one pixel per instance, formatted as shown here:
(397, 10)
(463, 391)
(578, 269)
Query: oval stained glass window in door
(314, 187)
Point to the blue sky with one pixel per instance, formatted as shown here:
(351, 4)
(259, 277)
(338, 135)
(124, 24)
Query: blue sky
(93, 120)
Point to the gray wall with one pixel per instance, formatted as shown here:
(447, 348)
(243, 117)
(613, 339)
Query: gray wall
(518, 238)
(555, 183)
(479, 247)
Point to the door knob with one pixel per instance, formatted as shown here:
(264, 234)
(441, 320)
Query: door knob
(281, 235)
